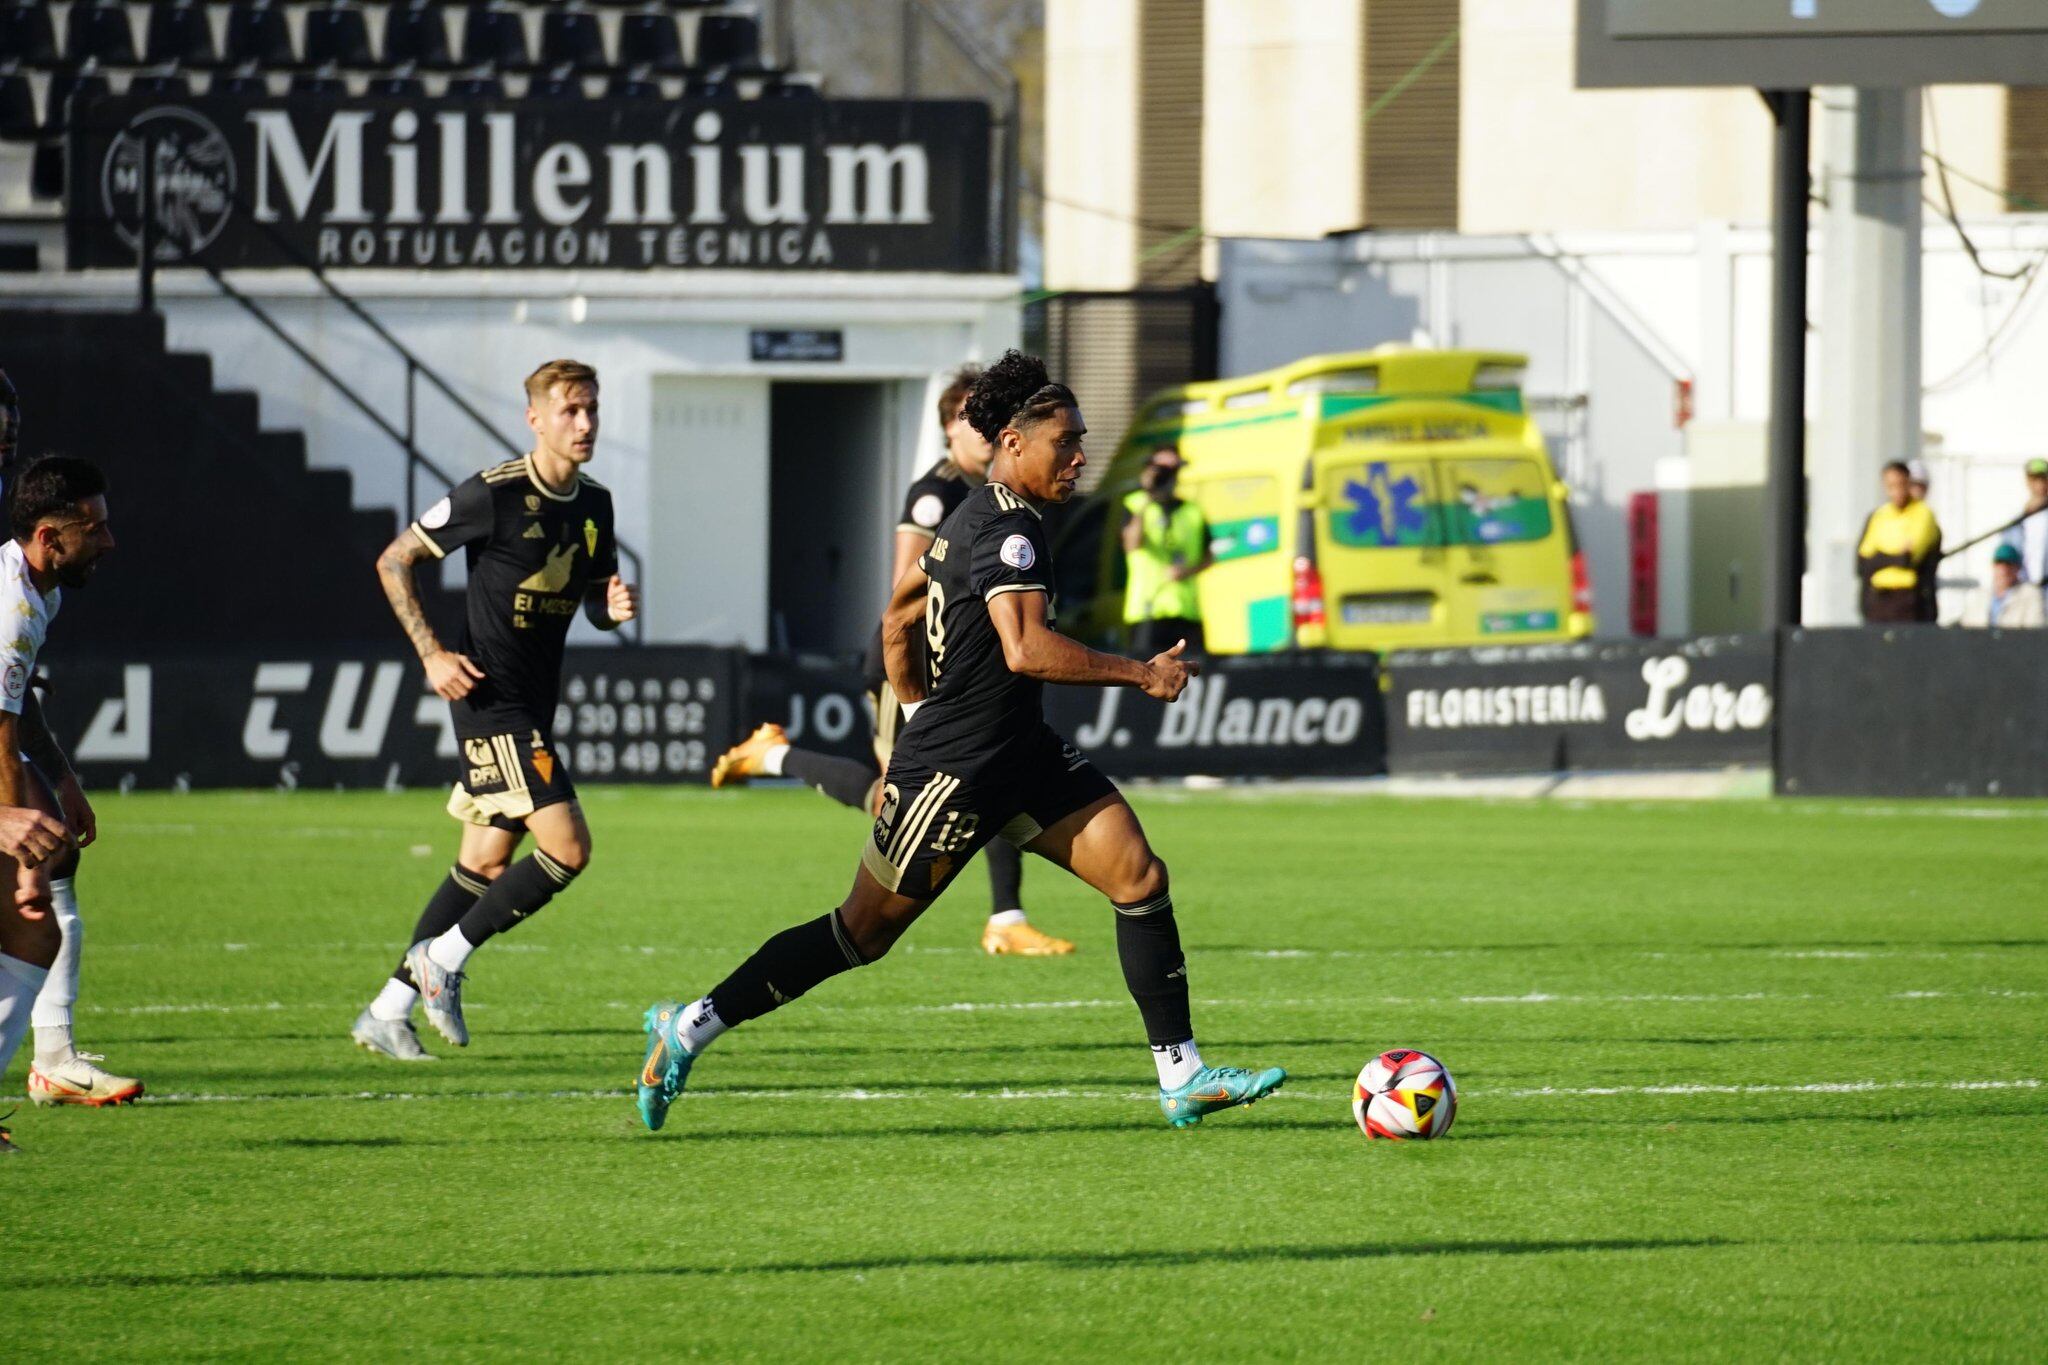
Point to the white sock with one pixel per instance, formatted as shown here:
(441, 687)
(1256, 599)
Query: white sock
(19, 982)
(394, 1002)
(51, 1014)
(1177, 1063)
(771, 762)
(701, 1025)
(1006, 917)
(451, 950)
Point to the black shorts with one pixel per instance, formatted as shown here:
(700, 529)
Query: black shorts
(506, 778)
(932, 823)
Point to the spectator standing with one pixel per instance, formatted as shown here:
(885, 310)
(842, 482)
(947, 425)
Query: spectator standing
(2012, 603)
(1901, 542)
(2030, 537)
(1166, 543)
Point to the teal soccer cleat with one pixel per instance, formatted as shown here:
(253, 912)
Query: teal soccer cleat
(667, 1065)
(1217, 1087)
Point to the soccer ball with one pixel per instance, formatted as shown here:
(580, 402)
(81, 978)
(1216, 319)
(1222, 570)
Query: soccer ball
(1404, 1094)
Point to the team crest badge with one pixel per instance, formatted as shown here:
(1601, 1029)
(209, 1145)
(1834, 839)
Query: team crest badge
(544, 764)
(590, 537)
(533, 504)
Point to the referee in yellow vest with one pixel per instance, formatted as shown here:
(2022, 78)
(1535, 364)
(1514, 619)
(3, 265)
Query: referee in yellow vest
(1897, 556)
(1166, 543)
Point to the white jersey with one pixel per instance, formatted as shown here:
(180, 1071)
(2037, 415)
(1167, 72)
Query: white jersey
(25, 617)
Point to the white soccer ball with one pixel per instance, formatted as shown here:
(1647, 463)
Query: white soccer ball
(1404, 1094)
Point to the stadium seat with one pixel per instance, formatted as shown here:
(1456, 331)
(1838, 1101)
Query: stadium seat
(571, 37)
(324, 84)
(27, 35)
(554, 86)
(244, 83)
(257, 33)
(477, 86)
(46, 171)
(650, 40)
(337, 35)
(162, 84)
(637, 84)
(179, 32)
(701, 87)
(397, 84)
(417, 32)
(728, 42)
(65, 89)
(788, 88)
(99, 31)
(495, 37)
(17, 108)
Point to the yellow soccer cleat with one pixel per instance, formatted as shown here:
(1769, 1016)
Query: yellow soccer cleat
(1022, 940)
(744, 759)
(78, 1081)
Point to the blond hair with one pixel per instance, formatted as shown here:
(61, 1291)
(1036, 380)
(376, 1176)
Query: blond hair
(543, 380)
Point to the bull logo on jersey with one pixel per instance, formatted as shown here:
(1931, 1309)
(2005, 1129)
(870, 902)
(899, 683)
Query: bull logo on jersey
(553, 576)
(885, 819)
(483, 764)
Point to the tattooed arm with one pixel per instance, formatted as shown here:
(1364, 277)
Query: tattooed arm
(451, 675)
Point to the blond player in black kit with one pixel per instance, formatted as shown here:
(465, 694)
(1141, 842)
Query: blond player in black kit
(537, 534)
(976, 761)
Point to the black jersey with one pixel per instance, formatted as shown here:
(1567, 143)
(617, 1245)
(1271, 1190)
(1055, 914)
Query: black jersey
(533, 555)
(976, 710)
(931, 498)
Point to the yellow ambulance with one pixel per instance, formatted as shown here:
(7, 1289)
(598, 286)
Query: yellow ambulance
(1388, 499)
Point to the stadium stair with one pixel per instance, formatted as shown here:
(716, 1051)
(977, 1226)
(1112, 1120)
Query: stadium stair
(223, 533)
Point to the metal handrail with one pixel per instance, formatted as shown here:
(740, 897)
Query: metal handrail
(415, 368)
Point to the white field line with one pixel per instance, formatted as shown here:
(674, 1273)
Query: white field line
(1008, 1006)
(860, 1095)
(1260, 954)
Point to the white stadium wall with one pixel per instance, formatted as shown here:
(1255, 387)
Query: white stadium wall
(684, 446)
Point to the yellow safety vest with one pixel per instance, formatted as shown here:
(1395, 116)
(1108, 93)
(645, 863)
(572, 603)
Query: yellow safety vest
(1908, 530)
(1167, 541)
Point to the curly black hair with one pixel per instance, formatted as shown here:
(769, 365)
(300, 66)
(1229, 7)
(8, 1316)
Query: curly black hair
(1014, 391)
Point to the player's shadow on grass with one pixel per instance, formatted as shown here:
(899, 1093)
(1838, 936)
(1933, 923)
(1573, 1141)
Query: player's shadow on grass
(1051, 1260)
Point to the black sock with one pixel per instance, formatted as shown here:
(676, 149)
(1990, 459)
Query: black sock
(524, 888)
(450, 901)
(784, 968)
(1005, 875)
(848, 781)
(1155, 973)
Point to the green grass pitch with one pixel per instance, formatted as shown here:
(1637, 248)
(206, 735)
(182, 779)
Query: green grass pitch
(1748, 1080)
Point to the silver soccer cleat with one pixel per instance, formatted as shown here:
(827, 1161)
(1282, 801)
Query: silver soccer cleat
(440, 993)
(392, 1037)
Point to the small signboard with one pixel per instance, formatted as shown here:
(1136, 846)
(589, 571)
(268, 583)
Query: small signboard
(783, 344)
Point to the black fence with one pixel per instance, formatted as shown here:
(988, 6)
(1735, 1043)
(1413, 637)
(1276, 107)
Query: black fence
(1905, 712)
(1913, 711)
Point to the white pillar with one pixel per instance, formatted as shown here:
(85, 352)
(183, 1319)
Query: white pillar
(1869, 391)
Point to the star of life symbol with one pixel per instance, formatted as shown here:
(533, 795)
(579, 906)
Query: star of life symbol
(1383, 506)
(194, 180)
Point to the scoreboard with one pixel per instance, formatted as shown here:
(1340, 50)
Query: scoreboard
(1784, 44)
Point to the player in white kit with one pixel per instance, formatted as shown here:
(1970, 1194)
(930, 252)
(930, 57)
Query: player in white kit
(58, 514)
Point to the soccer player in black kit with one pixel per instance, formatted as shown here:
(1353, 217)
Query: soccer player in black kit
(767, 752)
(976, 761)
(537, 533)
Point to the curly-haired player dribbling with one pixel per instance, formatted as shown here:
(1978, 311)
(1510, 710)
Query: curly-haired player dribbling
(976, 761)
